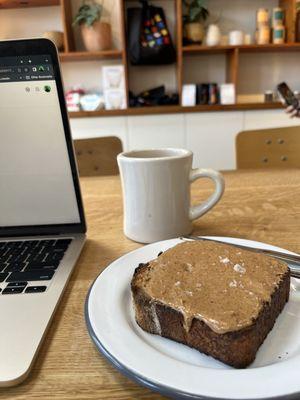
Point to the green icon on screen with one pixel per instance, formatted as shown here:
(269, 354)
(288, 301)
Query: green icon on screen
(41, 68)
(47, 88)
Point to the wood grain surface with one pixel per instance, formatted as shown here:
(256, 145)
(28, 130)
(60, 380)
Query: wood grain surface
(256, 205)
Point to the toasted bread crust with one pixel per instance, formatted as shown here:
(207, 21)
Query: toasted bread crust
(237, 348)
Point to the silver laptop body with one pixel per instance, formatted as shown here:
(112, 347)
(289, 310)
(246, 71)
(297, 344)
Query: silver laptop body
(42, 224)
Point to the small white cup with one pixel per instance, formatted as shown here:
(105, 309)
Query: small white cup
(156, 193)
(236, 38)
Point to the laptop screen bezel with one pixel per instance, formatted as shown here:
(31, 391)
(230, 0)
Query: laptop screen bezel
(31, 47)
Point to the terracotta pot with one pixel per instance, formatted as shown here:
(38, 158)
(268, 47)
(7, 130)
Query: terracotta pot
(97, 37)
(194, 32)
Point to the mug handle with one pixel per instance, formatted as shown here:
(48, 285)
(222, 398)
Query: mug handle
(217, 178)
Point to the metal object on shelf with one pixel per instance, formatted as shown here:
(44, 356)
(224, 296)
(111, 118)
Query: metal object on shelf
(269, 96)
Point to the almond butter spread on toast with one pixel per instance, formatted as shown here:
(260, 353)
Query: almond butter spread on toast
(222, 285)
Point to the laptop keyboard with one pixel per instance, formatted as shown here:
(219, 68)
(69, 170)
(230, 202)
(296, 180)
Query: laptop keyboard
(28, 266)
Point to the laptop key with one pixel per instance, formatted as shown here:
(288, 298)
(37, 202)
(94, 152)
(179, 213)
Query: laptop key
(3, 276)
(31, 275)
(13, 290)
(15, 267)
(35, 258)
(21, 258)
(17, 284)
(35, 289)
(54, 257)
(41, 265)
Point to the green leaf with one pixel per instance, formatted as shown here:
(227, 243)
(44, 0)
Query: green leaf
(196, 10)
(195, 14)
(88, 13)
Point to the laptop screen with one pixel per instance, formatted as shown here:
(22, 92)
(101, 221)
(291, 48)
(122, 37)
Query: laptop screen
(36, 184)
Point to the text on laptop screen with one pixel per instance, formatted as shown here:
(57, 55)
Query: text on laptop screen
(36, 185)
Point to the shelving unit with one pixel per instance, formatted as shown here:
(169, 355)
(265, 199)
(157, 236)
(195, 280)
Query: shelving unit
(91, 56)
(253, 48)
(175, 109)
(231, 55)
(27, 3)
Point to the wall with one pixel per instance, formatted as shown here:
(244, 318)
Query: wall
(210, 135)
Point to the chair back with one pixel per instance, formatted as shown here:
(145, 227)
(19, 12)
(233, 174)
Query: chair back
(269, 148)
(96, 157)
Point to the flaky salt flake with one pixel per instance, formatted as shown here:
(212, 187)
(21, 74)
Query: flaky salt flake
(189, 267)
(224, 260)
(233, 283)
(177, 283)
(238, 268)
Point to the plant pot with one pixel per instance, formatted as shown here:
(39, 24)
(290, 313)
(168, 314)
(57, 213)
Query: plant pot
(97, 37)
(194, 32)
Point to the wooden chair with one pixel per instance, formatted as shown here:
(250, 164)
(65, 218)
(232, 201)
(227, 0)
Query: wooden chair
(96, 157)
(269, 148)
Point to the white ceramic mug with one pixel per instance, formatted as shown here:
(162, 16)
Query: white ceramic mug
(156, 193)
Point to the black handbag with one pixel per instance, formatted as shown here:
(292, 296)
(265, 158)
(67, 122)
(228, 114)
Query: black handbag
(149, 40)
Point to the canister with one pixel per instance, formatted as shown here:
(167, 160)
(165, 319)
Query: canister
(262, 16)
(278, 17)
(278, 34)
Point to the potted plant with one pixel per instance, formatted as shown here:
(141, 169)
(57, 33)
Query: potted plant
(96, 34)
(193, 20)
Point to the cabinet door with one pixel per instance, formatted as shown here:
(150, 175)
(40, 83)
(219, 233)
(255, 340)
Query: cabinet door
(154, 131)
(211, 137)
(83, 128)
(268, 119)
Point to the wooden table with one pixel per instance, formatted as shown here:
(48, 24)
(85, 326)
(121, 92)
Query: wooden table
(257, 205)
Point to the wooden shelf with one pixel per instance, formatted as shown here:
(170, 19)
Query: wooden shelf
(90, 56)
(232, 54)
(192, 49)
(28, 3)
(196, 48)
(175, 109)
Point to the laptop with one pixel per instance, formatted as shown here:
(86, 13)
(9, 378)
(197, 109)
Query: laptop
(42, 225)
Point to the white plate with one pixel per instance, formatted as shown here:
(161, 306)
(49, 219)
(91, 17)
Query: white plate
(176, 370)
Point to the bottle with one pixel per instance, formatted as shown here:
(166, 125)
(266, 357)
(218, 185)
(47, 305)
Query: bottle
(279, 34)
(262, 16)
(278, 17)
(263, 31)
(297, 27)
(263, 34)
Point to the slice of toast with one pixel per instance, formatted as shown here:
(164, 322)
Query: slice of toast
(216, 298)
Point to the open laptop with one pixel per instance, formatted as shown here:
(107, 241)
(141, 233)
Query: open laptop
(42, 226)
